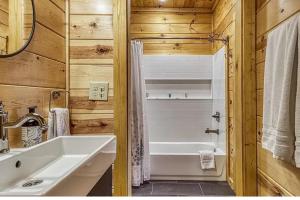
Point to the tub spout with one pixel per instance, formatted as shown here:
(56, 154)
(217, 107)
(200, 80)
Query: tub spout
(217, 131)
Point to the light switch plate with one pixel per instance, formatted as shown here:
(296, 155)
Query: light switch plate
(98, 91)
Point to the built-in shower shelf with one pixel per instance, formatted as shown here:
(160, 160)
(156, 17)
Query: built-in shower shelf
(193, 98)
(178, 80)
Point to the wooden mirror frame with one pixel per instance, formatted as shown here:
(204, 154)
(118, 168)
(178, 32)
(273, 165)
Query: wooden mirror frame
(30, 36)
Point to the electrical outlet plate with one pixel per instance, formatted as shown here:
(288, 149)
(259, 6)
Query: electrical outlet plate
(98, 91)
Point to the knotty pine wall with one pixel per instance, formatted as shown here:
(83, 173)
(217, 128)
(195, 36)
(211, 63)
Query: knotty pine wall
(3, 23)
(275, 177)
(91, 59)
(224, 24)
(28, 78)
(174, 23)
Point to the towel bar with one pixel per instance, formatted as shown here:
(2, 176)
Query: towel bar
(55, 94)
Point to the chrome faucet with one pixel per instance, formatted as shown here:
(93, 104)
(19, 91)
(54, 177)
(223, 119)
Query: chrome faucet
(217, 131)
(4, 125)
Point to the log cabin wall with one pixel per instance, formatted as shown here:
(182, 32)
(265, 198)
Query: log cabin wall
(275, 177)
(224, 25)
(91, 59)
(175, 19)
(3, 24)
(28, 78)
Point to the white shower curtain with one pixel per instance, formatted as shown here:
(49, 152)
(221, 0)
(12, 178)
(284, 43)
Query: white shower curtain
(138, 126)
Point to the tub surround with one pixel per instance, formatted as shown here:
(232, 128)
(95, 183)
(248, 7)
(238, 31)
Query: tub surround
(183, 92)
(180, 161)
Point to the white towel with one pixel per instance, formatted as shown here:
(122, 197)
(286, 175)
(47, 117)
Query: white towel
(59, 124)
(297, 114)
(207, 160)
(280, 91)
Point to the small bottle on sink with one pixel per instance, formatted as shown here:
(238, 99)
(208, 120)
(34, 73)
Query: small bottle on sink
(31, 131)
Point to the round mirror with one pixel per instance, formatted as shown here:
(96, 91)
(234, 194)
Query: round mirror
(17, 24)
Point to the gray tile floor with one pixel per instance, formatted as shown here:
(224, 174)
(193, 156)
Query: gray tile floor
(183, 188)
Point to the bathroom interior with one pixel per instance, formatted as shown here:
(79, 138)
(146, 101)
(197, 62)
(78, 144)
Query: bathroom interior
(149, 98)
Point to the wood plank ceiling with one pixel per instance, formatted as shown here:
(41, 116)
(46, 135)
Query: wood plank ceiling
(174, 3)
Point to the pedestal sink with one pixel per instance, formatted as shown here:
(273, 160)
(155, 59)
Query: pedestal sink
(64, 166)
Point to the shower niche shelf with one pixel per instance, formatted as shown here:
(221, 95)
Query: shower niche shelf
(178, 89)
(177, 80)
(162, 98)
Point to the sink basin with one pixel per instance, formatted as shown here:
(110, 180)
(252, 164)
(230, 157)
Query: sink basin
(64, 166)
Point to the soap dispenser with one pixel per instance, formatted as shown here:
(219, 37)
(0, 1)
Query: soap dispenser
(4, 145)
(31, 131)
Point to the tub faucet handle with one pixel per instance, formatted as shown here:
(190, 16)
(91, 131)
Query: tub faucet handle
(217, 116)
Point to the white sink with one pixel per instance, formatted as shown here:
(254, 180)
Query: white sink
(67, 166)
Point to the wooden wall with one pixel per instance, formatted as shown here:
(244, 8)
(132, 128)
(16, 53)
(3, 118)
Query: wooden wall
(3, 24)
(28, 78)
(275, 177)
(91, 48)
(98, 52)
(175, 23)
(224, 24)
(91, 59)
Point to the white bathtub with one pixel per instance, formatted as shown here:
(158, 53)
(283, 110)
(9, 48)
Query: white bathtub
(181, 161)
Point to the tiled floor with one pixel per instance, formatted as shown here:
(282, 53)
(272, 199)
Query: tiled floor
(183, 188)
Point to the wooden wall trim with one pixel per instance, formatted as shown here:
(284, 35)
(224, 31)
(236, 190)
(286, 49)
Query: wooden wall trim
(67, 21)
(245, 99)
(271, 184)
(121, 96)
(175, 10)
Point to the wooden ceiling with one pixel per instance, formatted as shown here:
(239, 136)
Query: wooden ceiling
(174, 3)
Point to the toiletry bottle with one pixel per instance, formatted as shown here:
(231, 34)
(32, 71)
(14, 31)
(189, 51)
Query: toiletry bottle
(4, 145)
(31, 131)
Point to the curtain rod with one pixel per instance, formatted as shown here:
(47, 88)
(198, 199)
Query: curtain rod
(210, 39)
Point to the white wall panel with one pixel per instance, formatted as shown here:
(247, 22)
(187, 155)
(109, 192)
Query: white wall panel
(218, 86)
(178, 67)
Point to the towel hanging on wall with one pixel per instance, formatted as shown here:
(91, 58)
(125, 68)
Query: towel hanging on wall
(59, 124)
(280, 90)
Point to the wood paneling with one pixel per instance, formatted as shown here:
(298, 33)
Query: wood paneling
(52, 47)
(52, 18)
(91, 26)
(92, 59)
(91, 7)
(3, 24)
(32, 70)
(245, 100)
(284, 174)
(92, 124)
(60, 3)
(87, 51)
(174, 3)
(285, 178)
(224, 25)
(169, 18)
(121, 177)
(172, 25)
(28, 78)
(268, 187)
